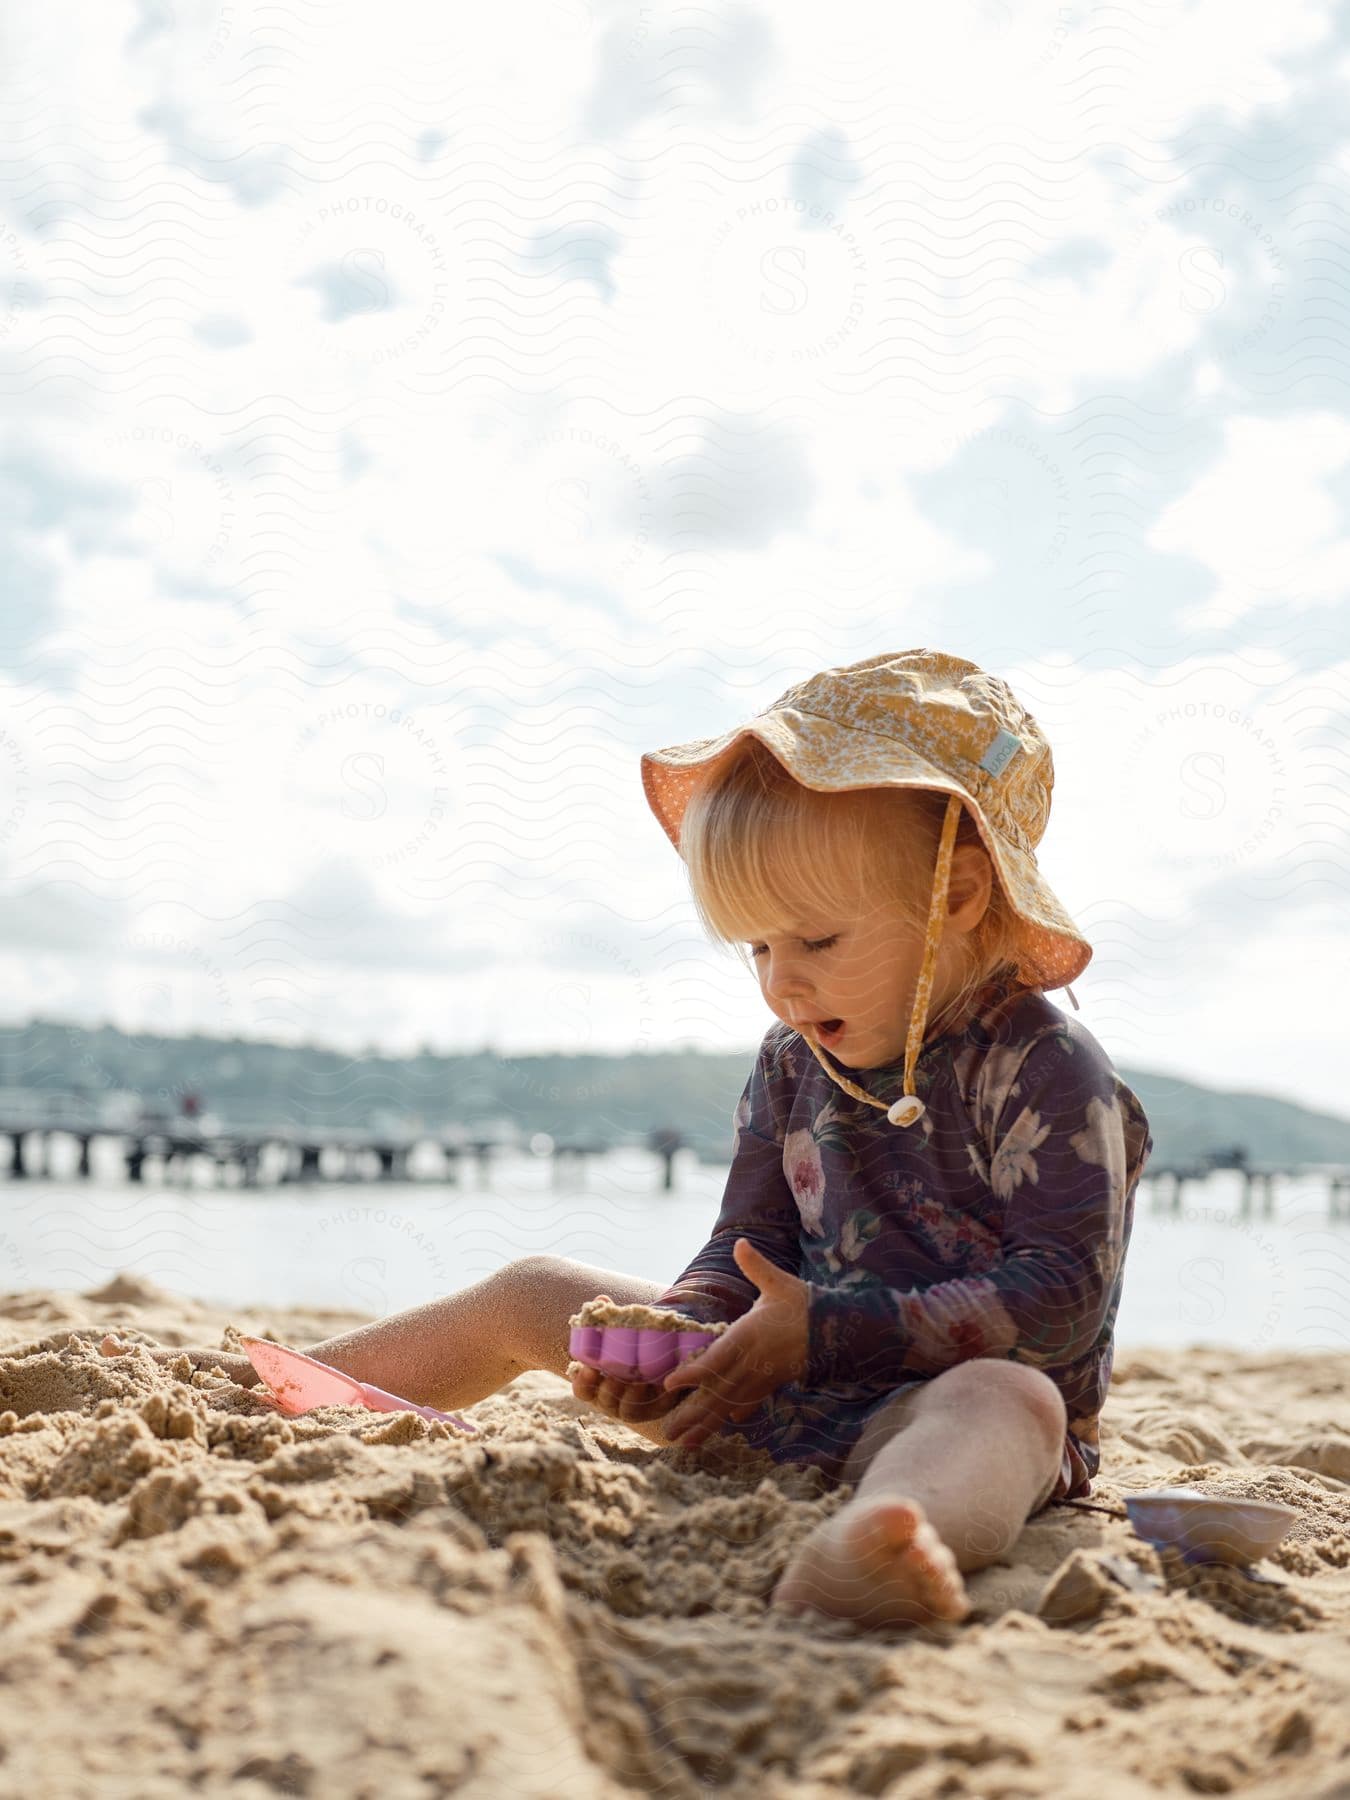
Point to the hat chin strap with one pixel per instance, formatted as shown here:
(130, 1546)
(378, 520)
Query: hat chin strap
(909, 1109)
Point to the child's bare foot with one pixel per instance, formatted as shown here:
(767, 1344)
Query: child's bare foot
(229, 1362)
(877, 1562)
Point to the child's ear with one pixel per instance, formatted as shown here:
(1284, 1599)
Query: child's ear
(970, 886)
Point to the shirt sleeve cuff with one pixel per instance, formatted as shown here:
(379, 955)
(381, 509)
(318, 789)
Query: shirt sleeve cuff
(696, 1304)
(826, 1335)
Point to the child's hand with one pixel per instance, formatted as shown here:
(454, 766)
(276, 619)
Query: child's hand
(761, 1352)
(637, 1404)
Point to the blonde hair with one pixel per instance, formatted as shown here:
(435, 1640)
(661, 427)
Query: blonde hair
(763, 852)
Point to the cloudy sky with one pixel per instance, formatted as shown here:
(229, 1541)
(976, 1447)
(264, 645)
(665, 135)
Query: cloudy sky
(413, 413)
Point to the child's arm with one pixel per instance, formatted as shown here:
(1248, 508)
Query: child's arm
(1069, 1146)
(756, 1204)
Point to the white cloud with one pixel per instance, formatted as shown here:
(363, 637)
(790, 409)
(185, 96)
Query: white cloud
(1263, 518)
(335, 400)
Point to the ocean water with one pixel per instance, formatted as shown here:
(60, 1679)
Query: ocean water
(1202, 1277)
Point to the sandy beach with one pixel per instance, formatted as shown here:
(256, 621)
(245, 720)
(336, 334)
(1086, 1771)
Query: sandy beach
(199, 1596)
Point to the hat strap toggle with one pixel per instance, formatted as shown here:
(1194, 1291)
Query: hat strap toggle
(909, 1109)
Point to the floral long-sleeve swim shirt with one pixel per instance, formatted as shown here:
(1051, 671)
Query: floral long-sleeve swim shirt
(997, 1226)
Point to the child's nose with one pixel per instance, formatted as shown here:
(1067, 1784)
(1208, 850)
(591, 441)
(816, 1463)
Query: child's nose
(785, 983)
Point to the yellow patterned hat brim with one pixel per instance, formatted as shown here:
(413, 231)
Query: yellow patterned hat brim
(832, 758)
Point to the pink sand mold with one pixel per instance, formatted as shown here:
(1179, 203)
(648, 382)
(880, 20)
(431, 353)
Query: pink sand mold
(299, 1383)
(635, 1352)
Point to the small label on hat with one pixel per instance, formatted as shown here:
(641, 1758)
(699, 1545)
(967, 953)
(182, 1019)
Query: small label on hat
(1000, 753)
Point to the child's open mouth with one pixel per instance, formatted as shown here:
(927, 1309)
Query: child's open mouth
(829, 1030)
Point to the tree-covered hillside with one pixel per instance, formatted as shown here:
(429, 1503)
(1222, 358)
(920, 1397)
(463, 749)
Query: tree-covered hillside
(604, 1098)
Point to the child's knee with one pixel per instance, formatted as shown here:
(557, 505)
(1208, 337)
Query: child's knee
(994, 1381)
(1053, 1401)
(535, 1275)
(1044, 1402)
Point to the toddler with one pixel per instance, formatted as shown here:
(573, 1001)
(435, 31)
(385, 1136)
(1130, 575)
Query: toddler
(922, 1238)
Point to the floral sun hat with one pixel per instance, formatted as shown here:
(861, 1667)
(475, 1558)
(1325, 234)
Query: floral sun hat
(916, 719)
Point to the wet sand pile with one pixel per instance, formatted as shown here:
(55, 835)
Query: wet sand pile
(199, 1596)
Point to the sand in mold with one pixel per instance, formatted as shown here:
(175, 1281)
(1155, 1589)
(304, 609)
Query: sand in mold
(642, 1318)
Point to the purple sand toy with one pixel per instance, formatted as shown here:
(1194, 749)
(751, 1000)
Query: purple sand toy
(299, 1382)
(1210, 1527)
(635, 1352)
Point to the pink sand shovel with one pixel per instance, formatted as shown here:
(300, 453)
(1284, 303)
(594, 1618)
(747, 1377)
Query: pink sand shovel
(299, 1382)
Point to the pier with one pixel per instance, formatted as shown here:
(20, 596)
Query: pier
(275, 1154)
(1166, 1184)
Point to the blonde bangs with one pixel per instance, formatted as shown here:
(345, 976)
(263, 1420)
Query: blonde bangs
(764, 854)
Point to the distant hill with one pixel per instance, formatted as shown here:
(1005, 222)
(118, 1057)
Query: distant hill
(1189, 1121)
(605, 1097)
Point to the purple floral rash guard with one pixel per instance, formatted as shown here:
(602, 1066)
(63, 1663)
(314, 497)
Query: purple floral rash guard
(996, 1226)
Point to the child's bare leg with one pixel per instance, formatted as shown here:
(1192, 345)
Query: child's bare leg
(458, 1349)
(949, 1477)
(455, 1350)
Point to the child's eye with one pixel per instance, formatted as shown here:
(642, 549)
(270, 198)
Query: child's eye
(820, 944)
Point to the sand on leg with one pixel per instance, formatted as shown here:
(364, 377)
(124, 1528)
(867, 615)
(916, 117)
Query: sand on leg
(466, 1345)
(950, 1473)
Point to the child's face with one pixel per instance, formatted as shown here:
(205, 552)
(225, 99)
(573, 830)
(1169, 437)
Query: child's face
(863, 970)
